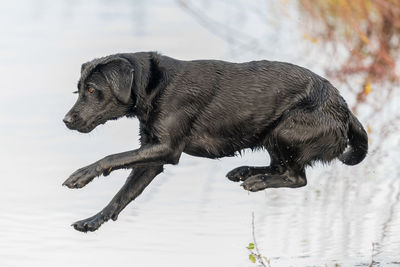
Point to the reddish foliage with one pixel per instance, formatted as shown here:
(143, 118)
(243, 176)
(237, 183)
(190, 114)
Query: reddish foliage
(369, 29)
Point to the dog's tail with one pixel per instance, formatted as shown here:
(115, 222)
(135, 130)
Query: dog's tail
(358, 141)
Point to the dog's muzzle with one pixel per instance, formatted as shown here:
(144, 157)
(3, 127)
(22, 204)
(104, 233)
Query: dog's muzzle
(72, 121)
(68, 119)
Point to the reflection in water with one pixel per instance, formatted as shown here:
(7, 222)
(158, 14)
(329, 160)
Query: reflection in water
(191, 215)
(336, 220)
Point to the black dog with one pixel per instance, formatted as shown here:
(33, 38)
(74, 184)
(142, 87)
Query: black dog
(212, 109)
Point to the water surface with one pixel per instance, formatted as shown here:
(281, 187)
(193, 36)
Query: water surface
(190, 215)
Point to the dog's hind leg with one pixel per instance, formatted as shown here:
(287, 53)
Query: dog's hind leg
(244, 172)
(301, 138)
(137, 181)
(281, 173)
(290, 178)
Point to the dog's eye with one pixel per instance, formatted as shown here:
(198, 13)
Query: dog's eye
(91, 90)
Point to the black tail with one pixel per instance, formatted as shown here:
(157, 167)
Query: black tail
(358, 141)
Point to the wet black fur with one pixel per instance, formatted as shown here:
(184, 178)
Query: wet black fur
(212, 109)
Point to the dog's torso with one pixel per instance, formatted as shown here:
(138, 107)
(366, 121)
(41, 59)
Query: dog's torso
(228, 107)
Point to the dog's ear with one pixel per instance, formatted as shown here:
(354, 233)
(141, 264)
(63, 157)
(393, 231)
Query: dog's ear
(84, 66)
(119, 74)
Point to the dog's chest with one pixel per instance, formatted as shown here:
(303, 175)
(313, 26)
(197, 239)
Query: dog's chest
(217, 139)
(209, 147)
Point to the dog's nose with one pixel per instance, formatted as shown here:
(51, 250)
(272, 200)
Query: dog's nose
(68, 119)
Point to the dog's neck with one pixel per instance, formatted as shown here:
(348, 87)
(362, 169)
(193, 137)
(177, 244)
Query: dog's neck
(149, 82)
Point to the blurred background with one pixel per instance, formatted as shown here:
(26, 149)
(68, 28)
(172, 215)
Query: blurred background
(191, 215)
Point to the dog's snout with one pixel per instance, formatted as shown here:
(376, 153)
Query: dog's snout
(67, 119)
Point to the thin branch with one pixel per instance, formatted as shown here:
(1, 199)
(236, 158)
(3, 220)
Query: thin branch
(262, 260)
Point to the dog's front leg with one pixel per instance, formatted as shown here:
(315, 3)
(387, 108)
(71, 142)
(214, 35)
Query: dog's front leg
(148, 155)
(137, 181)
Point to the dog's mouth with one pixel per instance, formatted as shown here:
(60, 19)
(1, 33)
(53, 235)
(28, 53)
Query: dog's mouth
(90, 126)
(84, 127)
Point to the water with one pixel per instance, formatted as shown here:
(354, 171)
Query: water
(190, 215)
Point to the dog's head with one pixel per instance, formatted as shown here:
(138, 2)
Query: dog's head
(104, 93)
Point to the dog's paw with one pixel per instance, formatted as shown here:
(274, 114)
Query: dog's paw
(91, 224)
(255, 183)
(239, 174)
(83, 176)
